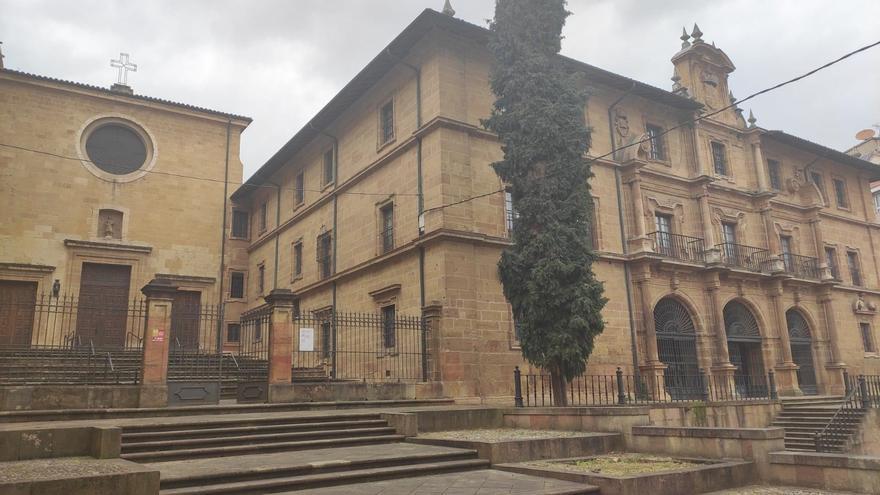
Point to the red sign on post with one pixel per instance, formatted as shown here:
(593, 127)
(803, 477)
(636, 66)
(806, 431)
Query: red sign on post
(158, 335)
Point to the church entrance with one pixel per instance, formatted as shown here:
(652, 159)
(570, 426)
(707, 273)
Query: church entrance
(677, 349)
(802, 350)
(102, 309)
(17, 304)
(744, 349)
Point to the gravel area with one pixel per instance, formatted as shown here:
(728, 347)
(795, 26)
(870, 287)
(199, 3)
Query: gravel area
(776, 490)
(499, 434)
(618, 464)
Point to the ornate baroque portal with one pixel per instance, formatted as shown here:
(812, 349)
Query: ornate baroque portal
(677, 348)
(802, 350)
(744, 347)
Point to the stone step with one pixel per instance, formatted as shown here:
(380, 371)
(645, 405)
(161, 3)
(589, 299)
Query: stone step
(180, 434)
(257, 448)
(264, 439)
(811, 423)
(330, 479)
(233, 422)
(310, 463)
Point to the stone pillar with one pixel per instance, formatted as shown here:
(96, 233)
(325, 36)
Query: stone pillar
(722, 368)
(432, 314)
(639, 242)
(816, 227)
(760, 167)
(713, 255)
(834, 365)
(652, 369)
(777, 265)
(157, 333)
(786, 370)
(280, 342)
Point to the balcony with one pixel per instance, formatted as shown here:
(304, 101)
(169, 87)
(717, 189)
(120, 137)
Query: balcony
(679, 247)
(748, 257)
(801, 266)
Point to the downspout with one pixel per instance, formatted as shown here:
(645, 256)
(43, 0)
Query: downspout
(626, 271)
(220, 306)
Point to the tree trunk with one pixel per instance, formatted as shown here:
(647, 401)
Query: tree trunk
(558, 387)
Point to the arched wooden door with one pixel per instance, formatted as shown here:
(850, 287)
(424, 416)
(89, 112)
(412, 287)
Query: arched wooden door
(677, 349)
(744, 349)
(801, 341)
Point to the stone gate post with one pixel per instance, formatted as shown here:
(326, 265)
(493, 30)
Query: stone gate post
(154, 367)
(280, 342)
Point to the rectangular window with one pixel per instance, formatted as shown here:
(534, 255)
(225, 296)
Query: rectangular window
(593, 218)
(386, 122)
(389, 332)
(233, 332)
(775, 175)
(326, 338)
(655, 134)
(325, 260)
(517, 331)
(264, 209)
(816, 178)
(387, 233)
(261, 278)
(663, 226)
(510, 213)
(728, 233)
(855, 271)
(240, 224)
(297, 260)
(785, 245)
(867, 337)
(328, 167)
(719, 158)
(299, 193)
(840, 193)
(236, 285)
(831, 261)
(877, 201)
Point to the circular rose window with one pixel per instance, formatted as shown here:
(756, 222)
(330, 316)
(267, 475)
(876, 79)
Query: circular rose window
(116, 149)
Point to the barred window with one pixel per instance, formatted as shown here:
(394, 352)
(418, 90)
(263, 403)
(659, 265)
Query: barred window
(386, 235)
(236, 285)
(855, 271)
(233, 332)
(867, 337)
(297, 259)
(386, 122)
(775, 176)
(261, 278)
(719, 158)
(655, 135)
(840, 193)
(299, 193)
(389, 332)
(263, 217)
(325, 258)
(240, 225)
(328, 166)
(831, 261)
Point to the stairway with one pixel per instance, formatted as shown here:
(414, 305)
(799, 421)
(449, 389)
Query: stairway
(803, 417)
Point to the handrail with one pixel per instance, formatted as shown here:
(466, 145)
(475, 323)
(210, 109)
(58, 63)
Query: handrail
(235, 361)
(139, 339)
(110, 361)
(847, 400)
(92, 345)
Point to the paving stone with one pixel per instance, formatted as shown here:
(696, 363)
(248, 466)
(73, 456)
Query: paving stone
(776, 490)
(481, 482)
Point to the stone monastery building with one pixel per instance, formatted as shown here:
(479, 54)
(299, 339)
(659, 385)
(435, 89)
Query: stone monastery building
(724, 247)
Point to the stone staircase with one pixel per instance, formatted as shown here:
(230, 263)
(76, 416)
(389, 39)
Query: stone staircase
(250, 455)
(803, 417)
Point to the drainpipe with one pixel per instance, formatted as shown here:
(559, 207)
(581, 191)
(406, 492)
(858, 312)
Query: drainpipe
(221, 313)
(621, 219)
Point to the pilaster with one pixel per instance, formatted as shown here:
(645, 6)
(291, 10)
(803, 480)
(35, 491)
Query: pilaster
(281, 302)
(154, 368)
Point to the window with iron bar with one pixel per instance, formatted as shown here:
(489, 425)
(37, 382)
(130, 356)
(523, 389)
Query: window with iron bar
(386, 235)
(719, 158)
(325, 255)
(389, 331)
(236, 285)
(386, 122)
(775, 176)
(840, 193)
(299, 193)
(867, 337)
(240, 225)
(655, 136)
(855, 271)
(328, 166)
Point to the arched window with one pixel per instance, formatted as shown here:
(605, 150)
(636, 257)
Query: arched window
(801, 342)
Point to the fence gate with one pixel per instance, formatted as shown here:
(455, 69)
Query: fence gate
(252, 362)
(195, 363)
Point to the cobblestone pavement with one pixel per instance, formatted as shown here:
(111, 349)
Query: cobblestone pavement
(776, 490)
(482, 482)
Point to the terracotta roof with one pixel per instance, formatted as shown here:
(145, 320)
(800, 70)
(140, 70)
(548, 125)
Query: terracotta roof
(397, 49)
(107, 91)
(823, 151)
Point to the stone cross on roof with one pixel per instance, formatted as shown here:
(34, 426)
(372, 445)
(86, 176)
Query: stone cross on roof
(124, 65)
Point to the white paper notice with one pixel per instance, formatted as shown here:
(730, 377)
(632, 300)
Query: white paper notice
(306, 339)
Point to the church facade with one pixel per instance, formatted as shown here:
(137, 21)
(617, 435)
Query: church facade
(98, 199)
(725, 248)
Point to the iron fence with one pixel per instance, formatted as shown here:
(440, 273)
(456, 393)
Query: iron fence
(749, 257)
(192, 348)
(535, 390)
(383, 346)
(801, 266)
(680, 247)
(252, 360)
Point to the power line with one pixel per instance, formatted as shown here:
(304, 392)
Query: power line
(193, 177)
(694, 121)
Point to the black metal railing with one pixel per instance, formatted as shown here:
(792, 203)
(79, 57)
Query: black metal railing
(801, 266)
(333, 345)
(680, 247)
(862, 393)
(253, 351)
(535, 390)
(193, 354)
(749, 257)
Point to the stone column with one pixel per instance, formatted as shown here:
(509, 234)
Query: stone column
(760, 167)
(722, 368)
(816, 227)
(157, 332)
(639, 242)
(713, 255)
(786, 370)
(834, 365)
(280, 343)
(652, 369)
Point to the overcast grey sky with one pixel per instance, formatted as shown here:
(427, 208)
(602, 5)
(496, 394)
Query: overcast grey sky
(281, 61)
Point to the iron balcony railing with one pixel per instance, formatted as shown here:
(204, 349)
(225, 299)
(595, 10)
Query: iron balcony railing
(679, 247)
(749, 257)
(801, 266)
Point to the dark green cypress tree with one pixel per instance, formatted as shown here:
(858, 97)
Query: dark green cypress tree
(539, 118)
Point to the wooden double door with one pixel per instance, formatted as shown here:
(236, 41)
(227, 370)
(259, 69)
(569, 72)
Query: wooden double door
(17, 305)
(103, 306)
